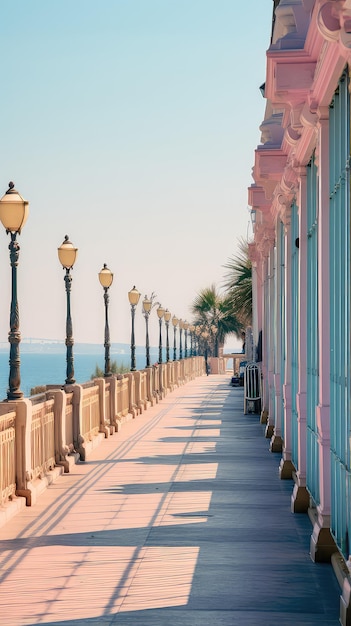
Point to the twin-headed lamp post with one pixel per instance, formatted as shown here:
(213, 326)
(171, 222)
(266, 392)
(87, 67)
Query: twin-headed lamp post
(67, 254)
(13, 215)
(106, 278)
(133, 296)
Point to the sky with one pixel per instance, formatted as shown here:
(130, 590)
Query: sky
(130, 126)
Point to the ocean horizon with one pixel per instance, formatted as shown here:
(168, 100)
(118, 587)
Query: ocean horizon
(49, 368)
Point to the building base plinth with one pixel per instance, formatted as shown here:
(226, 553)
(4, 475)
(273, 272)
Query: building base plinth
(264, 417)
(269, 431)
(300, 499)
(345, 603)
(276, 444)
(322, 544)
(286, 469)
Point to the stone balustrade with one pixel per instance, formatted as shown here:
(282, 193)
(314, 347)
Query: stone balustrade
(42, 436)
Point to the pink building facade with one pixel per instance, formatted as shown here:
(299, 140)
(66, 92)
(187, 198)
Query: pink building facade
(301, 267)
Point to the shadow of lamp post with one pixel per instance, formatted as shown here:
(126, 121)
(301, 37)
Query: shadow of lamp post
(167, 316)
(67, 254)
(106, 278)
(133, 296)
(13, 215)
(175, 324)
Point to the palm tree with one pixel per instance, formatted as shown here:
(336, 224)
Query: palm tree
(238, 283)
(214, 312)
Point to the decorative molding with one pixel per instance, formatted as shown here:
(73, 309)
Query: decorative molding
(334, 22)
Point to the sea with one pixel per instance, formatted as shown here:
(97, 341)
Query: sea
(48, 368)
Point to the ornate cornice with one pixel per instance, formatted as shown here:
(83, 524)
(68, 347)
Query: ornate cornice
(264, 240)
(334, 22)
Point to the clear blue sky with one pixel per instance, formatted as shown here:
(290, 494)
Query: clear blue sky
(129, 125)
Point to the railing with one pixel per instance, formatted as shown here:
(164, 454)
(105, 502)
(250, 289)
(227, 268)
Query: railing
(90, 413)
(42, 439)
(39, 434)
(108, 414)
(7, 456)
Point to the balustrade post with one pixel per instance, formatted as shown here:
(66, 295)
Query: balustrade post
(77, 416)
(62, 449)
(23, 427)
(113, 402)
(104, 428)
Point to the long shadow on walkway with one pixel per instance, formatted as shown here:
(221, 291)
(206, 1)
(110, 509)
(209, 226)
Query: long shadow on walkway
(241, 560)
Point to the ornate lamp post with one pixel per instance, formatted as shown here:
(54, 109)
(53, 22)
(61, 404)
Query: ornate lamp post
(13, 215)
(160, 313)
(106, 278)
(133, 296)
(175, 324)
(181, 323)
(185, 326)
(167, 316)
(147, 306)
(192, 329)
(67, 254)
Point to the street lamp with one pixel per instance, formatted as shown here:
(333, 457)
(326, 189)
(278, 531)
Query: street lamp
(181, 325)
(67, 254)
(147, 306)
(160, 313)
(192, 328)
(175, 324)
(106, 278)
(186, 326)
(167, 316)
(13, 215)
(133, 296)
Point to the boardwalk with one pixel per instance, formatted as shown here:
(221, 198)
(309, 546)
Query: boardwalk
(178, 520)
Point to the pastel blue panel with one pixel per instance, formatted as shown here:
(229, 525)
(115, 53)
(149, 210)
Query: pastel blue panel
(294, 330)
(340, 425)
(282, 347)
(312, 469)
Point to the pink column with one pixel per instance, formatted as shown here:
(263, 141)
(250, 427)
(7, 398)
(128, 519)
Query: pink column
(270, 342)
(300, 496)
(321, 540)
(286, 467)
(276, 444)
